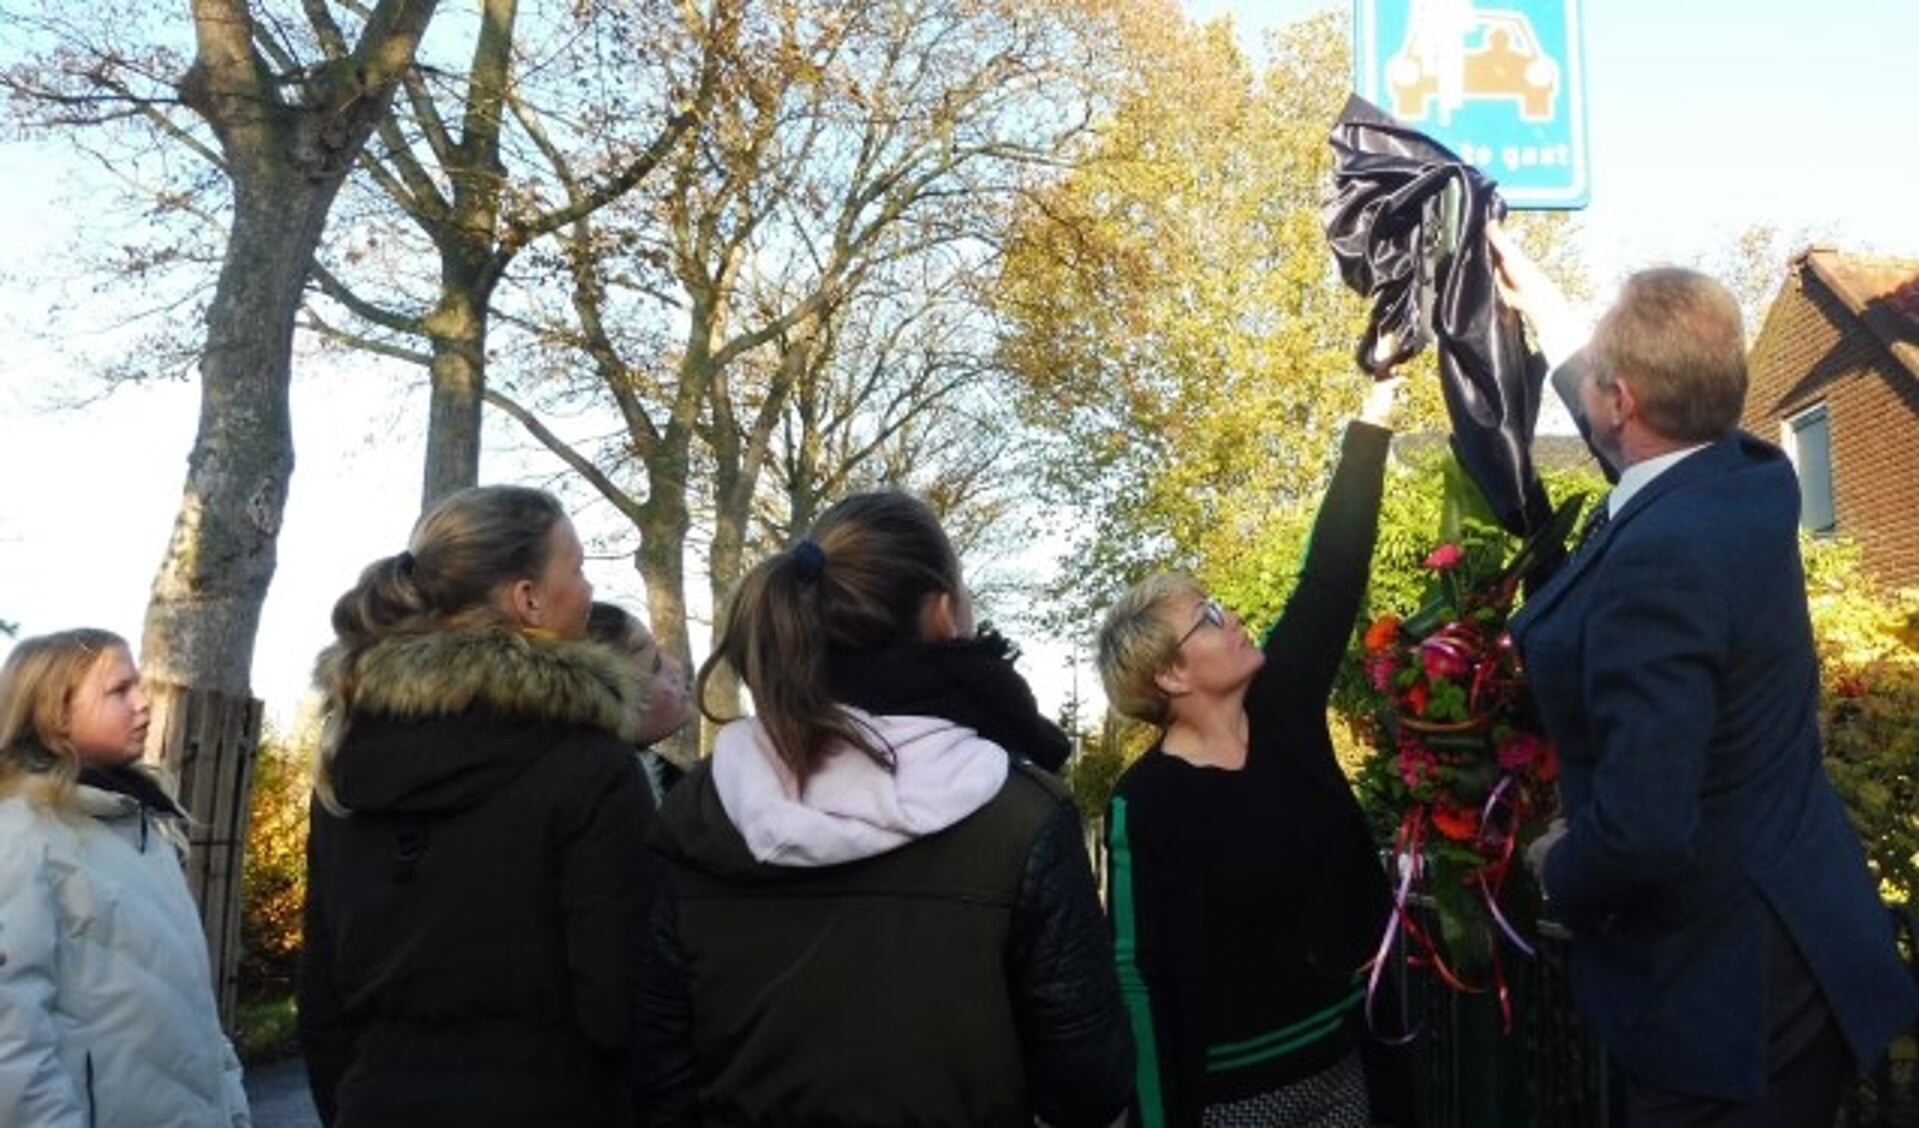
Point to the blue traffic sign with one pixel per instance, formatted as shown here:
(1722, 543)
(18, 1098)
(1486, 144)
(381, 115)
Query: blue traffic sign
(1500, 84)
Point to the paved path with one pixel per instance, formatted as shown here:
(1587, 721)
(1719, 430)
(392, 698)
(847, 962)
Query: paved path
(278, 1093)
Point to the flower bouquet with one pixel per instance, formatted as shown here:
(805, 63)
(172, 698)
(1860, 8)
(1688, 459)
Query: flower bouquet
(1461, 758)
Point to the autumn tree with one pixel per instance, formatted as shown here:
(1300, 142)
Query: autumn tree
(1174, 311)
(1183, 337)
(859, 141)
(905, 396)
(554, 114)
(283, 138)
(274, 884)
(1754, 265)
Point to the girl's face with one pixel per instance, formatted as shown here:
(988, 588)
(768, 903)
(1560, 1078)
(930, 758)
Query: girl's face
(669, 700)
(559, 598)
(106, 720)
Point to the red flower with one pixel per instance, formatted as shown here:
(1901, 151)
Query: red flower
(1418, 767)
(1382, 633)
(1851, 685)
(1460, 751)
(1518, 749)
(1461, 824)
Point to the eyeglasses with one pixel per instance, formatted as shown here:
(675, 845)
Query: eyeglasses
(1210, 614)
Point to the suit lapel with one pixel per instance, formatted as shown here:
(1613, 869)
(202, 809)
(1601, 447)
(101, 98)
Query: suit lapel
(1718, 458)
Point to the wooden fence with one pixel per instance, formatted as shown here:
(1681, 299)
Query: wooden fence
(208, 740)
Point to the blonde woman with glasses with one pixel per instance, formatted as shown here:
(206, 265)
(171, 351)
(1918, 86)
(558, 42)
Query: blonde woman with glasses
(1244, 888)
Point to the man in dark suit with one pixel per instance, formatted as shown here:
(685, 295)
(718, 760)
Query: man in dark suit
(1730, 949)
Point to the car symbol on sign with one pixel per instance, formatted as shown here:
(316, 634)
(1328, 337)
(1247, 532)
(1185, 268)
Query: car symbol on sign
(1505, 62)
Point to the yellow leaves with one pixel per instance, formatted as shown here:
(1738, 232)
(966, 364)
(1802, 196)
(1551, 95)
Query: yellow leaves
(1869, 666)
(273, 882)
(1857, 621)
(1175, 314)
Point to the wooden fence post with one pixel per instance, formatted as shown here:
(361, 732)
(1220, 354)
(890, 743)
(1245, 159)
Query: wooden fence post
(207, 740)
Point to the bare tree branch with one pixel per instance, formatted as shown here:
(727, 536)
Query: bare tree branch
(359, 342)
(578, 463)
(331, 285)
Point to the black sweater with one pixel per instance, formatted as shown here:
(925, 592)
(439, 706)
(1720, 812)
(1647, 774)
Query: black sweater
(1245, 902)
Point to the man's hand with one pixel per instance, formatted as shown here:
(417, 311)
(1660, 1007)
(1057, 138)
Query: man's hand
(1522, 285)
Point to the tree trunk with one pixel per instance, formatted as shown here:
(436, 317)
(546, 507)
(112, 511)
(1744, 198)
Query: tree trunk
(468, 273)
(286, 161)
(457, 329)
(739, 455)
(205, 609)
(724, 568)
(664, 524)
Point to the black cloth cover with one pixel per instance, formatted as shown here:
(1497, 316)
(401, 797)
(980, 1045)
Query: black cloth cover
(1388, 222)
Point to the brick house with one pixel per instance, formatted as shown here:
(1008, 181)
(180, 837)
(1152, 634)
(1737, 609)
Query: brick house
(1835, 380)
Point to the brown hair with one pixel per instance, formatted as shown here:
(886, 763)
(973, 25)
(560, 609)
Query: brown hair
(610, 623)
(461, 553)
(37, 685)
(1136, 643)
(1676, 334)
(858, 581)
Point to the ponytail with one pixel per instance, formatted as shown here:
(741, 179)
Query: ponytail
(386, 600)
(775, 641)
(857, 582)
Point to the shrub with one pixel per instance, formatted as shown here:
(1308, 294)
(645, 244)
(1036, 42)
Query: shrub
(1868, 638)
(1099, 760)
(264, 1030)
(273, 884)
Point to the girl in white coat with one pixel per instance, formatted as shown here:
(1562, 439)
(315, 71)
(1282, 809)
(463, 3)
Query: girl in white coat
(107, 1017)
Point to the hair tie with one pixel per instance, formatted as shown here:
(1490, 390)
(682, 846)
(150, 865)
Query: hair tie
(404, 563)
(809, 560)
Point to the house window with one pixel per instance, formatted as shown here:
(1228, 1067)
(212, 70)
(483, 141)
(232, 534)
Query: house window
(1809, 440)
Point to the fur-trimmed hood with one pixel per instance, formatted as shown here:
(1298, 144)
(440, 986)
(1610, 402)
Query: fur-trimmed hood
(500, 669)
(444, 719)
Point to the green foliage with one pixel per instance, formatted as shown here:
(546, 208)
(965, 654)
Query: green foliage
(264, 1029)
(1868, 640)
(1099, 760)
(273, 884)
(1173, 313)
(1177, 322)
(1091, 777)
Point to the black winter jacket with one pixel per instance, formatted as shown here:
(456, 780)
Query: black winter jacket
(964, 977)
(474, 926)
